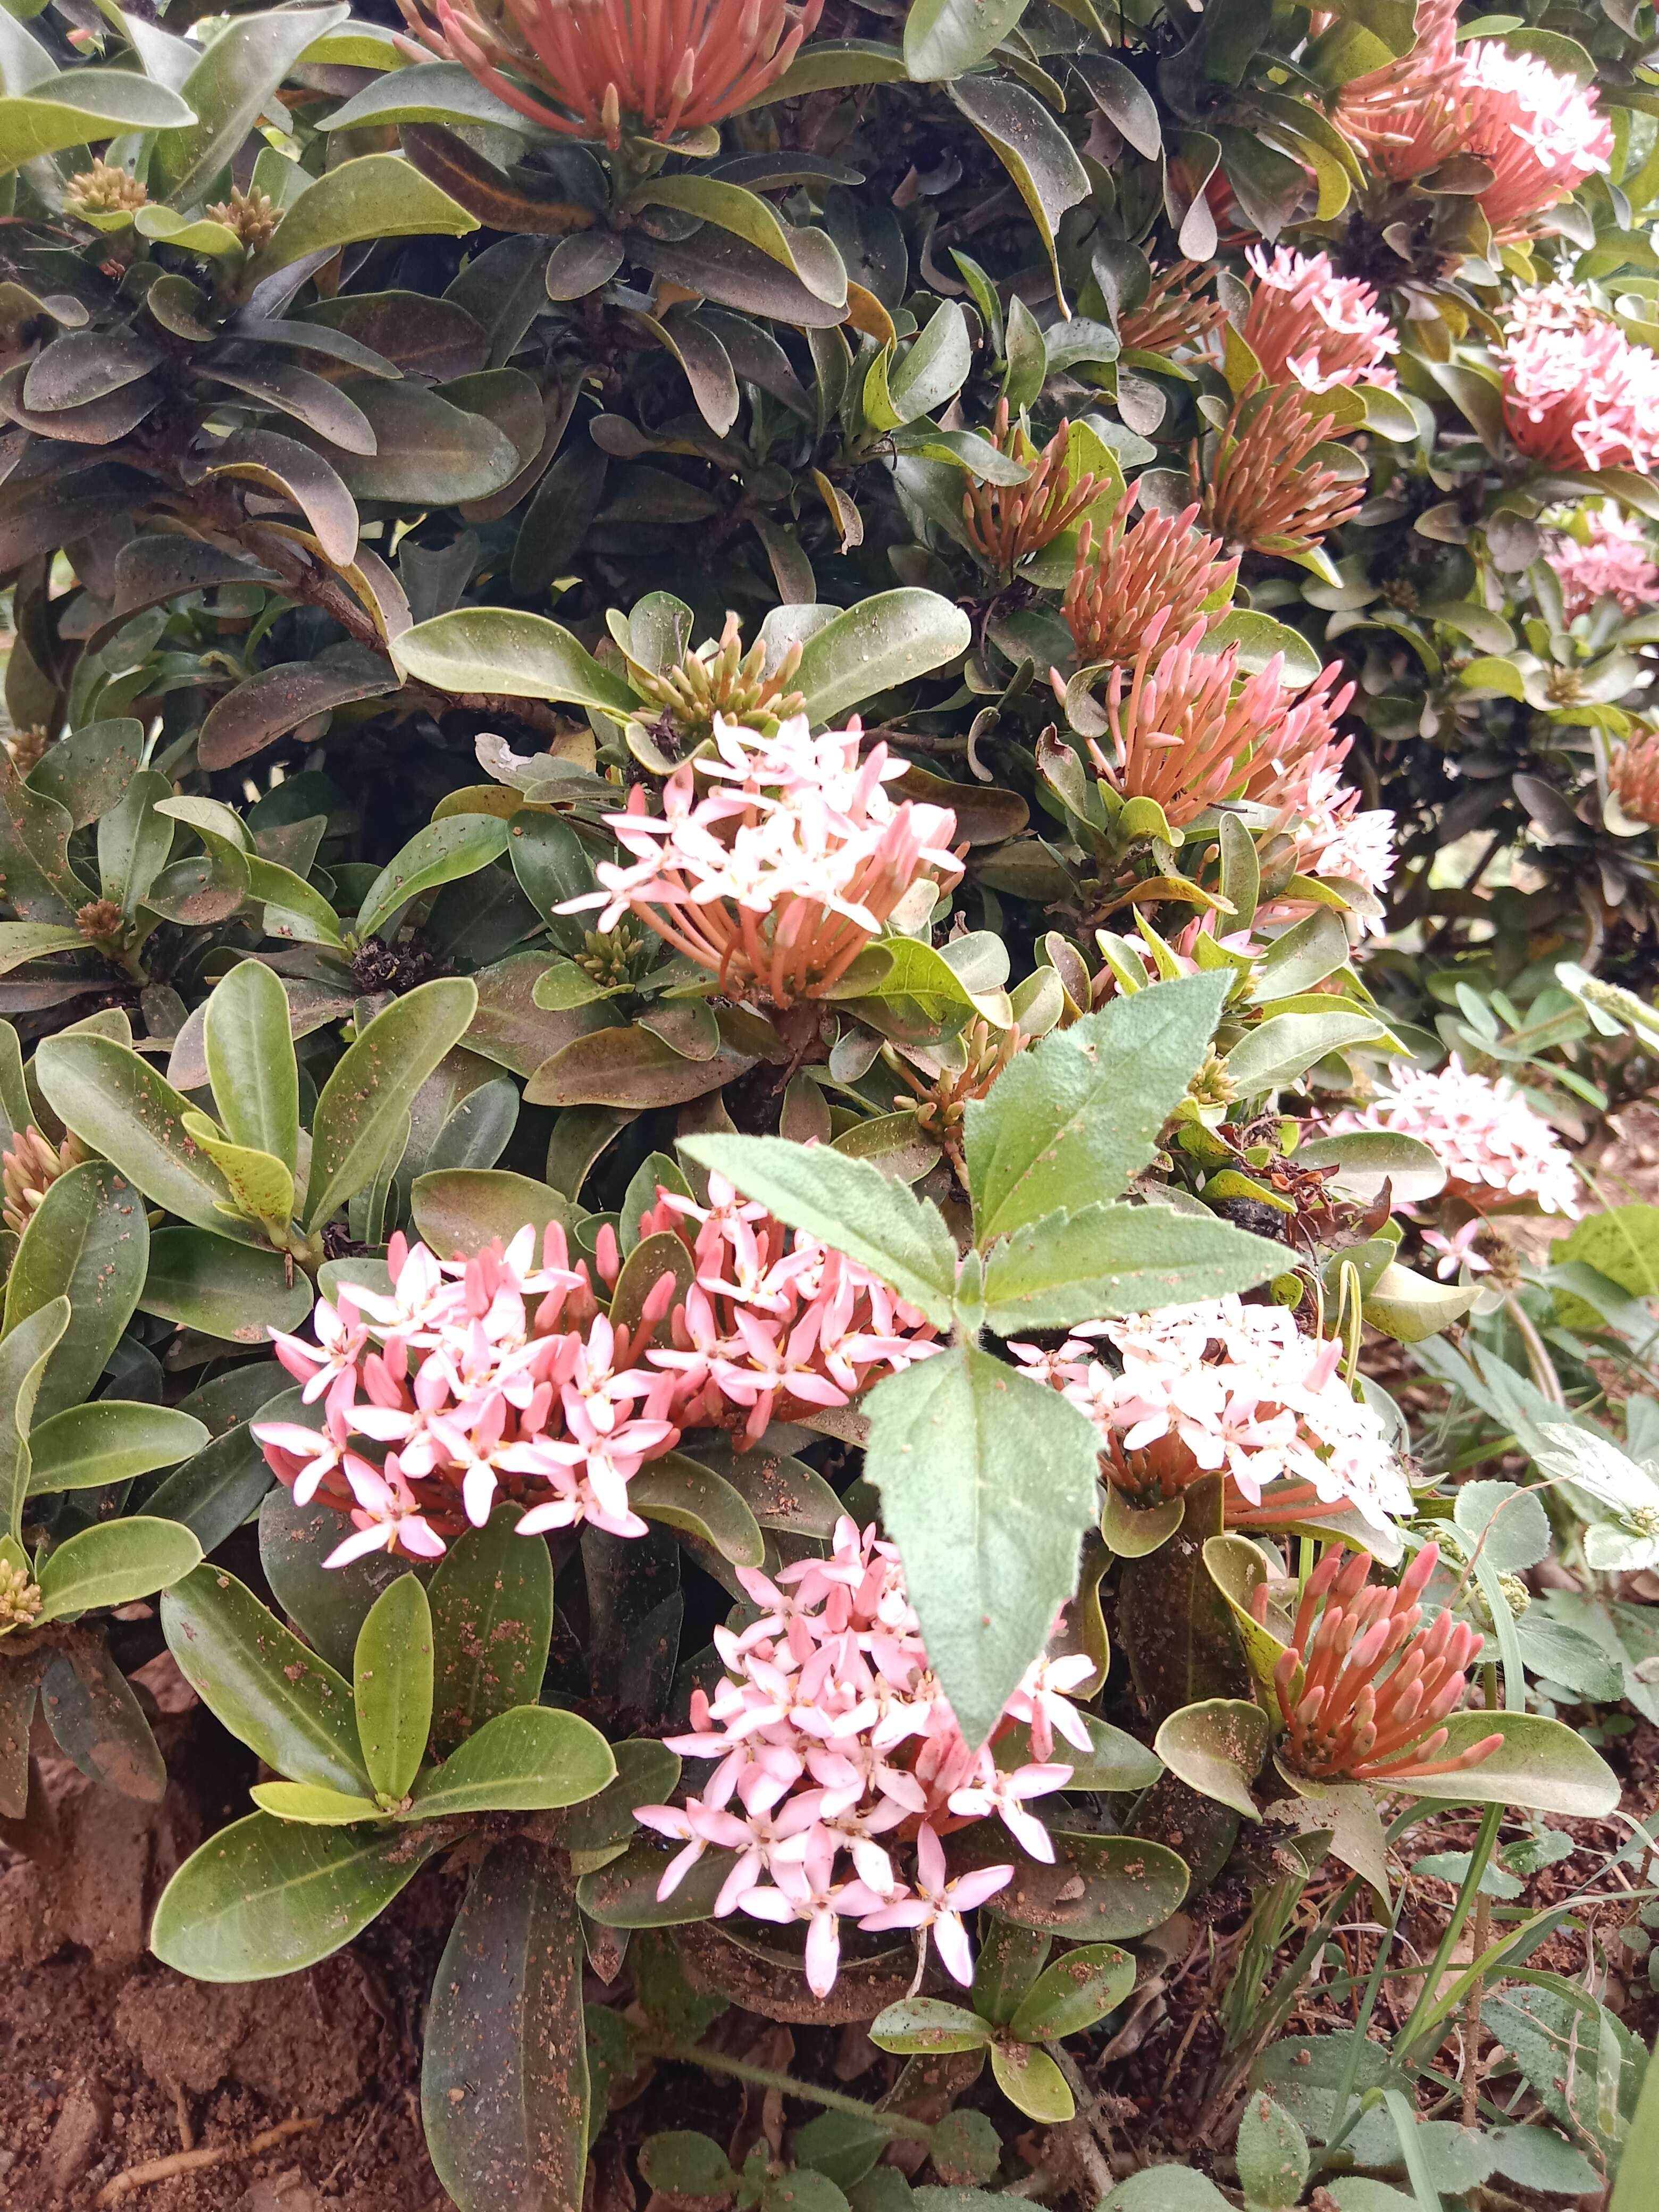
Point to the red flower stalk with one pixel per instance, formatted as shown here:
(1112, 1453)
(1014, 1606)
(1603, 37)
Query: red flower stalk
(1186, 733)
(1172, 313)
(1256, 490)
(662, 65)
(1633, 776)
(1007, 523)
(1159, 575)
(1346, 1717)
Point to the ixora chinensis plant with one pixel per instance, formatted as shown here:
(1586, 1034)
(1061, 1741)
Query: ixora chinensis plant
(827, 857)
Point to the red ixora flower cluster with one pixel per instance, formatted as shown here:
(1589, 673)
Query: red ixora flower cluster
(1188, 732)
(658, 65)
(492, 1378)
(1364, 1689)
(834, 1739)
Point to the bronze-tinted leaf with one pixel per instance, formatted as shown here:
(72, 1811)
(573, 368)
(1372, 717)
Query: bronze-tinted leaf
(629, 1068)
(502, 199)
(99, 423)
(321, 406)
(283, 467)
(420, 336)
(277, 700)
(86, 365)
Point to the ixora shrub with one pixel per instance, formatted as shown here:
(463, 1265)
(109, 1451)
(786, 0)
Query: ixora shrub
(813, 815)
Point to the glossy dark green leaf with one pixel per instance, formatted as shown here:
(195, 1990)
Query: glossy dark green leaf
(85, 1447)
(530, 1759)
(88, 1240)
(94, 1717)
(203, 1282)
(376, 196)
(328, 1604)
(113, 1564)
(267, 1896)
(518, 656)
(677, 1491)
(504, 2087)
(116, 1103)
(279, 1697)
(23, 1357)
(391, 1686)
(492, 1623)
(439, 854)
(366, 1097)
(1099, 1888)
(249, 1045)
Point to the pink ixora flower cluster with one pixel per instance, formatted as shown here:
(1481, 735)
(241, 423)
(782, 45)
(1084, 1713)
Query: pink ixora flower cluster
(1232, 1389)
(1540, 133)
(838, 1752)
(1307, 322)
(1488, 1139)
(1576, 394)
(474, 1381)
(1610, 561)
(1335, 837)
(779, 876)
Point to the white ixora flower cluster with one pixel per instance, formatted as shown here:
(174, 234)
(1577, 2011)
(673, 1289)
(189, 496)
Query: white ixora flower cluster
(1489, 1140)
(779, 876)
(1232, 1389)
(835, 1743)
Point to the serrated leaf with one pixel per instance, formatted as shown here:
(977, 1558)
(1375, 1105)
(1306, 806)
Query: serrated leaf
(987, 1483)
(847, 1203)
(1106, 1260)
(1069, 1122)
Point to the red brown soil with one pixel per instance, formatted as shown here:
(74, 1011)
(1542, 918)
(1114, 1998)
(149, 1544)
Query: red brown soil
(111, 2060)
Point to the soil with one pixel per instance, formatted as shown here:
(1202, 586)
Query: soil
(112, 2061)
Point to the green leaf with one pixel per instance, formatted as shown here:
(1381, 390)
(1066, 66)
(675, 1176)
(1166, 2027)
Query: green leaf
(1109, 1259)
(391, 1686)
(1273, 2154)
(1069, 1122)
(1282, 1049)
(113, 1564)
(1639, 2156)
(442, 853)
(247, 1038)
(944, 38)
(513, 655)
(377, 196)
(1032, 148)
(365, 1099)
(93, 1715)
(937, 365)
(928, 2025)
(234, 80)
(200, 1280)
(461, 1209)
(285, 1703)
(847, 1203)
(82, 107)
(119, 1105)
(85, 1447)
(88, 1240)
(267, 1896)
(906, 990)
(687, 2164)
(885, 640)
(1541, 1765)
(1166, 2189)
(431, 91)
(1364, 1159)
(1217, 1747)
(317, 1808)
(729, 207)
(1410, 1308)
(1081, 1987)
(261, 1187)
(492, 1627)
(23, 1357)
(504, 2084)
(987, 1483)
(530, 1759)
(1030, 2080)
(23, 941)
(682, 1494)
